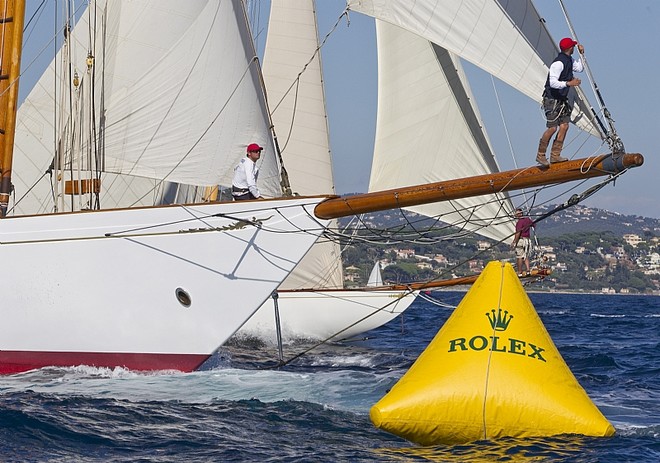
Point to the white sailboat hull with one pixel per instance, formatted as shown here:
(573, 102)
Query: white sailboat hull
(327, 314)
(111, 288)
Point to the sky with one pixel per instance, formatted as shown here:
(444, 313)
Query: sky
(620, 40)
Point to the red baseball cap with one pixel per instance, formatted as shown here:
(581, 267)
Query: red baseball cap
(253, 147)
(567, 43)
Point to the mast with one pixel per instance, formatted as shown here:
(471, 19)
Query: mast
(578, 169)
(10, 62)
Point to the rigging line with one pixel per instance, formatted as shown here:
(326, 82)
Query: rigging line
(296, 83)
(584, 142)
(588, 164)
(399, 228)
(383, 234)
(69, 100)
(293, 114)
(316, 52)
(219, 215)
(432, 300)
(176, 98)
(117, 235)
(161, 181)
(408, 291)
(26, 66)
(17, 202)
(506, 129)
(612, 138)
(324, 341)
(388, 235)
(575, 199)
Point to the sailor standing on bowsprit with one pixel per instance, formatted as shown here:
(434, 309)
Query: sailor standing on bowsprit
(555, 100)
(244, 183)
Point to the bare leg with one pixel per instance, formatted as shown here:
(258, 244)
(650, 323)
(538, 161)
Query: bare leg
(549, 132)
(561, 135)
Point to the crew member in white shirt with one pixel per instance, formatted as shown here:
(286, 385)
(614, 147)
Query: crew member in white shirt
(244, 184)
(556, 104)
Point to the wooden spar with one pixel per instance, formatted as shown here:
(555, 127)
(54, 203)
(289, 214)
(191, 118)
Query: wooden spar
(12, 25)
(542, 272)
(468, 280)
(578, 169)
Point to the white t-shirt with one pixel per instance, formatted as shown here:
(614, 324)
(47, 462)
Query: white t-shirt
(245, 176)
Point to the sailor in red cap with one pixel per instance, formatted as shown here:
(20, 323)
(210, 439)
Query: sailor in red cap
(556, 104)
(244, 184)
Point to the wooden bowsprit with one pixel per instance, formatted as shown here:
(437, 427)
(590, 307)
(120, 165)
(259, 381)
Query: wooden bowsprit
(578, 169)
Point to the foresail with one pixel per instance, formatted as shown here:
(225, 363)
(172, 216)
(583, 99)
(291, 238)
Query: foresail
(429, 130)
(506, 39)
(294, 85)
(180, 90)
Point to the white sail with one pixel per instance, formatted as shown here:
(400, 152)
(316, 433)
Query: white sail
(294, 84)
(178, 77)
(375, 277)
(428, 129)
(506, 39)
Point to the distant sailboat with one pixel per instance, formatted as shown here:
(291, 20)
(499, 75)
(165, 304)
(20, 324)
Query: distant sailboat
(375, 277)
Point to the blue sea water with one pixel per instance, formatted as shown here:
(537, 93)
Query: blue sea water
(239, 407)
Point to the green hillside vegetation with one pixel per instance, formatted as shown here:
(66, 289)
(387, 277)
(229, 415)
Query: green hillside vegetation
(580, 261)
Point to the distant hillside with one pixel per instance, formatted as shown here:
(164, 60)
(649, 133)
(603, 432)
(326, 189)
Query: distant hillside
(575, 219)
(584, 219)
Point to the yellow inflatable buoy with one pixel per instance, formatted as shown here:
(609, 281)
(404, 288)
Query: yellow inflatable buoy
(491, 371)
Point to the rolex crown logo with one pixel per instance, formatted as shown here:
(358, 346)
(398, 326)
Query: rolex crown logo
(499, 322)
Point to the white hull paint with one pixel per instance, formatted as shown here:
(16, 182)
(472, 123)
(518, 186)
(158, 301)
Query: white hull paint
(105, 283)
(329, 314)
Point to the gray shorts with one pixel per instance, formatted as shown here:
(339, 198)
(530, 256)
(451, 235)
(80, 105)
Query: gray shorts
(557, 112)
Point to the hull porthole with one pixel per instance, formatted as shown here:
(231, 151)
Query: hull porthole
(183, 297)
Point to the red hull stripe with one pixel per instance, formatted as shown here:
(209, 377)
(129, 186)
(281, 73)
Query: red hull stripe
(19, 361)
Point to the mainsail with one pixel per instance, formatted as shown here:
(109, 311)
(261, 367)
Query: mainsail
(172, 81)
